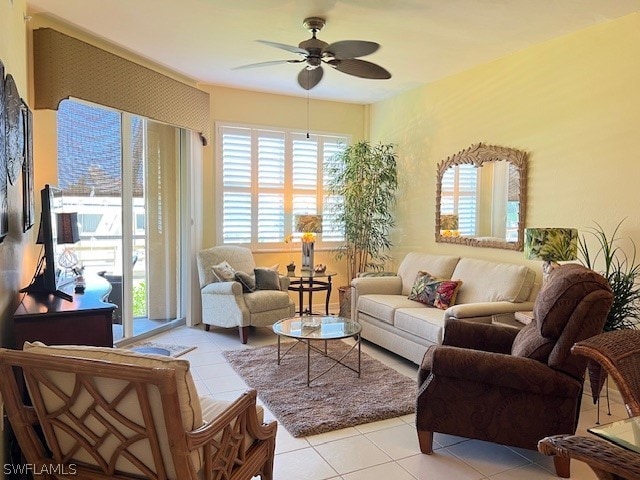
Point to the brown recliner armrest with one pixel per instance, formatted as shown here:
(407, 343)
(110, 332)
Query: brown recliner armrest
(479, 336)
(499, 370)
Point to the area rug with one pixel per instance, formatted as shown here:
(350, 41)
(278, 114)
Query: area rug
(161, 348)
(339, 399)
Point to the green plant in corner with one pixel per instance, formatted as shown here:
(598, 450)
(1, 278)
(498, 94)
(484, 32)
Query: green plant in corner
(364, 177)
(621, 271)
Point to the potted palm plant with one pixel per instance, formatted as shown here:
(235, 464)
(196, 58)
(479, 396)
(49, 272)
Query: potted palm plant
(364, 177)
(623, 273)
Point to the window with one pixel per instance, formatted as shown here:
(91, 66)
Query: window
(265, 177)
(460, 196)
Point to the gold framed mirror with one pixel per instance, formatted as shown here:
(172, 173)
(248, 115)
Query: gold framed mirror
(481, 197)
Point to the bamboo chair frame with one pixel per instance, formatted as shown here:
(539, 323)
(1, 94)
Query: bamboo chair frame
(222, 441)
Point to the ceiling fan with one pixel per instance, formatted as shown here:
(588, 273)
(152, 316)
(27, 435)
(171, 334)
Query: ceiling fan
(340, 55)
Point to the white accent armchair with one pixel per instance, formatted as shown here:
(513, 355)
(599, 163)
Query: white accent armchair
(225, 305)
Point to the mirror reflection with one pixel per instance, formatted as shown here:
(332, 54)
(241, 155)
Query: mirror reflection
(481, 197)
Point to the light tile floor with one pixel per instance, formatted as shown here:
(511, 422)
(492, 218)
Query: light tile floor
(381, 450)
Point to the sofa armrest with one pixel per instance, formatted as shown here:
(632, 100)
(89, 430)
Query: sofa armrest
(485, 309)
(391, 285)
(500, 370)
(479, 336)
(222, 288)
(388, 285)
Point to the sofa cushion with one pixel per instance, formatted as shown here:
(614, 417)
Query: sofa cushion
(486, 281)
(427, 323)
(440, 266)
(383, 307)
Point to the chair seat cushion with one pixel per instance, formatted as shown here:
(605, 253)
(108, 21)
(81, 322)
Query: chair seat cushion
(265, 300)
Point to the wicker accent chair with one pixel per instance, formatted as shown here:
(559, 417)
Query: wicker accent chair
(224, 304)
(498, 384)
(111, 413)
(618, 352)
(608, 461)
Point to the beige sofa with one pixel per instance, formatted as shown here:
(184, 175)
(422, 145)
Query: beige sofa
(490, 291)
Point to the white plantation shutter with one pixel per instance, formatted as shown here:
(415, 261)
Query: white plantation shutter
(459, 196)
(236, 185)
(331, 231)
(267, 177)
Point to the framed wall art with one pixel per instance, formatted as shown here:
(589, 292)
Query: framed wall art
(28, 205)
(4, 208)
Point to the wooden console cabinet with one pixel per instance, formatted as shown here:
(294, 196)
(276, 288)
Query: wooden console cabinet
(86, 320)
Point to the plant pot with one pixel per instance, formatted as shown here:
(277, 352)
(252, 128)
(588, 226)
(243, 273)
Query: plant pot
(344, 298)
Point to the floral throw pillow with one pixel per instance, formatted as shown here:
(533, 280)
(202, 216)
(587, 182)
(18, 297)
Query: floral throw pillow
(433, 291)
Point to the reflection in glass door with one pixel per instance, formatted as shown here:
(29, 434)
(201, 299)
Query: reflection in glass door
(121, 173)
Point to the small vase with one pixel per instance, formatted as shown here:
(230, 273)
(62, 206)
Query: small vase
(307, 256)
(291, 268)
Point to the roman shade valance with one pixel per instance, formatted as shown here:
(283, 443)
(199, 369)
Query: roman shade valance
(67, 67)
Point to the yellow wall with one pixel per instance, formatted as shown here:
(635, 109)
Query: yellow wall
(573, 103)
(13, 54)
(255, 108)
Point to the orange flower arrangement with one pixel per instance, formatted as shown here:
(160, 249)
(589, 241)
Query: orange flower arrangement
(308, 237)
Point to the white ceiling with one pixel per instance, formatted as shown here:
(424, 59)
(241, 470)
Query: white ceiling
(422, 40)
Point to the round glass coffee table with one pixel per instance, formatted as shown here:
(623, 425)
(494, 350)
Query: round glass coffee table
(312, 328)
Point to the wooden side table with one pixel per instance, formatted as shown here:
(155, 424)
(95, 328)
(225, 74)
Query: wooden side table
(525, 318)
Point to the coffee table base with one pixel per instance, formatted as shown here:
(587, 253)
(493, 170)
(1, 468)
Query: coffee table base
(338, 361)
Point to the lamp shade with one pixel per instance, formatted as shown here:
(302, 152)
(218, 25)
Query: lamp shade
(551, 244)
(308, 223)
(67, 228)
(449, 222)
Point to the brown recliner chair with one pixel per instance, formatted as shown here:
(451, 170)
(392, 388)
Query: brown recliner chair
(498, 384)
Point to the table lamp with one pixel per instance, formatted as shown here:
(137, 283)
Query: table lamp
(308, 225)
(67, 233)
(552, 245)
(449, 225)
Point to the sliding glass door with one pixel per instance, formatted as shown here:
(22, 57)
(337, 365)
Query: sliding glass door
(121, 173)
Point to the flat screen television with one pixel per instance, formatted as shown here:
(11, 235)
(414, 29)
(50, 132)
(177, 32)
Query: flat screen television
(48, 278)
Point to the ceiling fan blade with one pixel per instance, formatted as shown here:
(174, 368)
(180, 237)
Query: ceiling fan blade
(266, 64)
(288, 48)
(361, 68)
(308, 79)
(350, 49)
